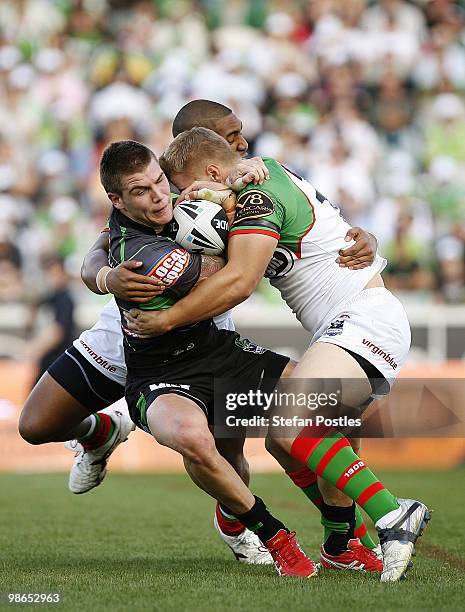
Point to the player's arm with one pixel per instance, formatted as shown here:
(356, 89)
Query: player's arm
(362, 253)
(122, 281)
(211, 264)
(248, 257)
(95, 259)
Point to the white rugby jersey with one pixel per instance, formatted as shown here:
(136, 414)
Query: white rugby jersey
(310, 232)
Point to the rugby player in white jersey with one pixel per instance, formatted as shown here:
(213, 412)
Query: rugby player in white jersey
(91, 374)
(361, 334)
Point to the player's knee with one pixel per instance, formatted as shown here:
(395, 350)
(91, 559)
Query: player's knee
(30, 429)
(201, 453)
(196, 444)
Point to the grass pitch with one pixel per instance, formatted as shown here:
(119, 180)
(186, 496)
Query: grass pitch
(146, 542)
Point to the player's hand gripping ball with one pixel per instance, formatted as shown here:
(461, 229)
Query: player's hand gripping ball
(202, 227)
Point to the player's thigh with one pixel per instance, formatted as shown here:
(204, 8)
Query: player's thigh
(178, 422)
(68, 392)
(289, 369)
(328, 368)
(49, 411)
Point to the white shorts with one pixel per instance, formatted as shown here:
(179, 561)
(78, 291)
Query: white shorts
(374, 325)
(102, 344)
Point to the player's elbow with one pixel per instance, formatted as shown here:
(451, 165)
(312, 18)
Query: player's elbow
(242, 287)
(88, 272)
(85, 276)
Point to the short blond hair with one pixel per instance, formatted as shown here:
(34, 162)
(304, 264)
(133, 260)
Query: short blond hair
(194, 147)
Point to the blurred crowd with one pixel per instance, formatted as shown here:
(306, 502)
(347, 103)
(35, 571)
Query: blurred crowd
(363, 98)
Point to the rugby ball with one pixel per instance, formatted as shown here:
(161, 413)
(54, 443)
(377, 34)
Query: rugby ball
(202, 227)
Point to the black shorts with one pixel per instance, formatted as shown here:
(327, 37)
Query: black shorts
(377, 381)
(84, 382)
(222, 355)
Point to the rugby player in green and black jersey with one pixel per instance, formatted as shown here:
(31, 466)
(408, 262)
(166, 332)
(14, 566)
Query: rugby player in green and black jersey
(361, 336)
(170, 379)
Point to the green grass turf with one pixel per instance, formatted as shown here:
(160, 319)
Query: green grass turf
(145, 542)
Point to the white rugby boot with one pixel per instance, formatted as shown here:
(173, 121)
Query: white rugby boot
(246, 546)
(398, 538)
(378, 552)
(90, 466)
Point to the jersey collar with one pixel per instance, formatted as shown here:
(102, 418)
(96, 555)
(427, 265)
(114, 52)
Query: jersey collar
(124, 220)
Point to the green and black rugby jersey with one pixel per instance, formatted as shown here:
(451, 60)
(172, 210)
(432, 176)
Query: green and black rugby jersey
(163, 259)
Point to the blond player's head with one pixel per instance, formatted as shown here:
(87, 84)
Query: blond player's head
(198, 154)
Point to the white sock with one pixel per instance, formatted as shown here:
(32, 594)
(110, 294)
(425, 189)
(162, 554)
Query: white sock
(388, 519)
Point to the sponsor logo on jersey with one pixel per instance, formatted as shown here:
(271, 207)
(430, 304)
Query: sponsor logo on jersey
(380, 353)
(189, 347)
(253, 204)
(157, 386)
(336, 327)
(281, 263)
(171, 266)
(101, 361)
(250, 347)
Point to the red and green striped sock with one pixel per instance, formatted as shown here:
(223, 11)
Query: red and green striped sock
(227, 522)
(100, 433)
(332, 458)
(307, 481)
(361, 531)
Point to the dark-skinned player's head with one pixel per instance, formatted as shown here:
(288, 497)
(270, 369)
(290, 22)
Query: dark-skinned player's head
(214, 116)
(131, 175)
(198, 154)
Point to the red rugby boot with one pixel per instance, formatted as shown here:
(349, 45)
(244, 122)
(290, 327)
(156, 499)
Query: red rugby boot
(357, 557)
(289, 558)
